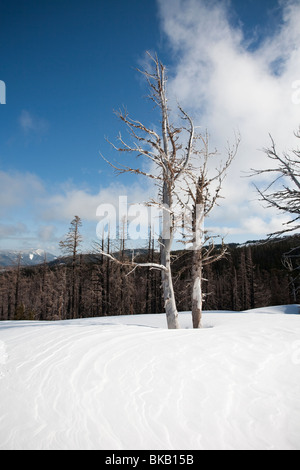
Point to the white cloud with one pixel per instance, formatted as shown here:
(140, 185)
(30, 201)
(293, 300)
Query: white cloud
(228, 88)
(16, 189)
(47, 233)
(12, 230)
(38, 216)
(72, 201)
(30, 123)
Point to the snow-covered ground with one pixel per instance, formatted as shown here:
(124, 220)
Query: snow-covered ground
(129, 383)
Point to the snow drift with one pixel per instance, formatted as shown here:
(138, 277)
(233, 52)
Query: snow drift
(129, 383)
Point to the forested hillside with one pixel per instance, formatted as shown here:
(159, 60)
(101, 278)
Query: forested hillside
(251, 275)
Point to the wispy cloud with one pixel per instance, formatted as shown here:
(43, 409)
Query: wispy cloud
(70, 201)
(228, 87)
(47, 233)
(17, 189)
(13, 230)
(33, 124)
(38, 216)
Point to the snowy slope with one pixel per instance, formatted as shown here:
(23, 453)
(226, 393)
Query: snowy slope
(129, 383)
(27, 257)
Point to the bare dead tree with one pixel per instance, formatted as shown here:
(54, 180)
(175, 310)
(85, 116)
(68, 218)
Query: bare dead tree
(202, 188)
(17, 288)
(283, 193)
(70, 246)
(169, 159)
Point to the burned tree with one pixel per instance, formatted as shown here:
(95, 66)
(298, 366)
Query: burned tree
(70, 246)
(200, 193)
(169, 159)
(179, 166)
(283, 192)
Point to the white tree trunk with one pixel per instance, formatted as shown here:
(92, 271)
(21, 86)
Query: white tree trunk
(167, 228)
(170, 304)
(197, 271)
(197, 299)
(166, 246)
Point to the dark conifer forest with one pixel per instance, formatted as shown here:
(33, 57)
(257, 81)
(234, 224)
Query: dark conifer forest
(250, 276)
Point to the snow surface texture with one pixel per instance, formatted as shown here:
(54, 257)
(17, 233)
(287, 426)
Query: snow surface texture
(129, 383)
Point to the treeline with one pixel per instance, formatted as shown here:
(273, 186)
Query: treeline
(250, 276)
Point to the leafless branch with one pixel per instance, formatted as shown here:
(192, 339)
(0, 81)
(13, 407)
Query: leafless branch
(132, 263)
(287, 197)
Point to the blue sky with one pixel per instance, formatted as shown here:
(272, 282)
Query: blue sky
(68, 64)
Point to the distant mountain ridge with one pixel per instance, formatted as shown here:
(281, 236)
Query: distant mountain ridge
(28, 257)
(9, 258)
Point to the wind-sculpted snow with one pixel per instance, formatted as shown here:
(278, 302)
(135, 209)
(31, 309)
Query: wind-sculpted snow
(3, 358)
(129, 383)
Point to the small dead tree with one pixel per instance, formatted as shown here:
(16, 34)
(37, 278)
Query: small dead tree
(170, 160)
(291, 262)
(70, 246)
(283, 194)
(203, 190)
